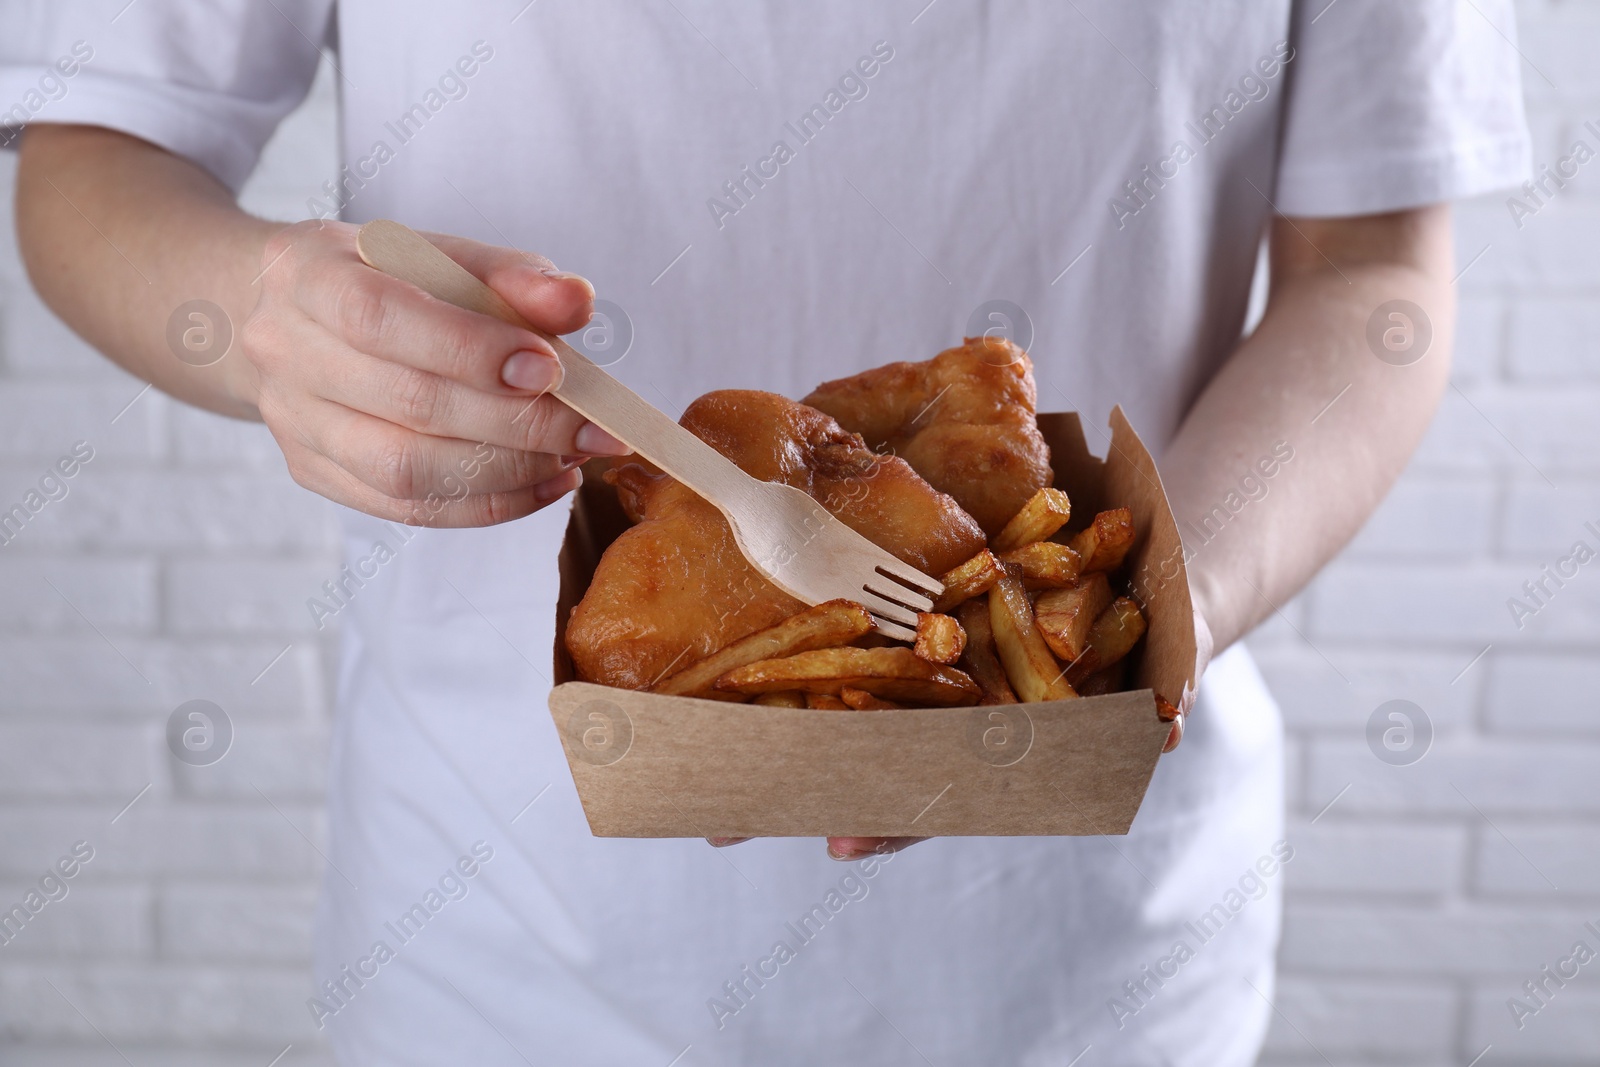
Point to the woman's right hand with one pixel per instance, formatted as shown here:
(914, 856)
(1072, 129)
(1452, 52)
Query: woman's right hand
(405, 407)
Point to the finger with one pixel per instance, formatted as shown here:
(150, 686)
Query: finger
(394, 320)
(437, 406)
(407, 465)
(553, 300)
(850, 848)
(724, 842)
(1185, 705)
(321, 475)
(1175, 735)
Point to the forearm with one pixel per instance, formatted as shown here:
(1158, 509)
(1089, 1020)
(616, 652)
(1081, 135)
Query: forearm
(117, 234)
(1307, 381)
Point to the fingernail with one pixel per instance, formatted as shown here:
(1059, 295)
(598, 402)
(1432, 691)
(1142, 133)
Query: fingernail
(559, 486)
(723, 842)
(846, 855)
(568, 462)
(568, 276)
(531, 370)
(596, 442)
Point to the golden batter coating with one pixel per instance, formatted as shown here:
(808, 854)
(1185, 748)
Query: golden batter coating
(964, 420)
(675, 587)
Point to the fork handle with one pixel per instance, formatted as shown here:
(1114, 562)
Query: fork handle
(403, 253)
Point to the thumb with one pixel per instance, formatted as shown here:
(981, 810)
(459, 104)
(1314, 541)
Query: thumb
(552, 300)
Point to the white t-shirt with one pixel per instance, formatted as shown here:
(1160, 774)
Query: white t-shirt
(779, 194)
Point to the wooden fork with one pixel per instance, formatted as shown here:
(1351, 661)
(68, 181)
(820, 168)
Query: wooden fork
(785, 534)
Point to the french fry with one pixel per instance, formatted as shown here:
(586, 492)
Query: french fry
(1065, 616)
(1105, 541)
(826, 702)
(782, 698)
(1166, 711)
(1045, 564)
(940, 638)
(1033, 671)
(824, 626)
(980, 661)
(1045, 512)
(1113, 635)
(963, 582)
(1101, 682)
(862, 700)
(892, 673)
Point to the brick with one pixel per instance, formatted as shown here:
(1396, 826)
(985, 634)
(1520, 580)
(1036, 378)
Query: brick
(1552, 339)
(185, 510)
(1565, 1031)
(1540, 523)
(1430, 519)
(203, 439)
(1554, 249)
(92, 921)
(1422, 602)
(1554, 429)
(1376, 1020)
(1532, 694)
(1424, 942)
(281, 761)
(1313, 696)
(1526, 430)
(1499, 776)
(157, 839)
(152, 1002)
(231, 595)
(114, 594)
(1479, 339)
(44, 420)
(1359, 857)
(45, 758)
(1458, 441)
(226, 923)
(84, 675)
(36, 344)
(1538, 860)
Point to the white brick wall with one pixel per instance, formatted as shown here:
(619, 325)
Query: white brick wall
(186, 940)
(1426, 895)
(1419, 900)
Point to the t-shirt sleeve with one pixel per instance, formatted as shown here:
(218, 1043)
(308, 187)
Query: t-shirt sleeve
(1398, 103)
(206, 80)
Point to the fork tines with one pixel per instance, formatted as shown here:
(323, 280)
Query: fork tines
(895, 606)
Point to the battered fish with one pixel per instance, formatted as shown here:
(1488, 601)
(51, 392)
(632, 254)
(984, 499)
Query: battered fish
(964, 420)
(675, 587)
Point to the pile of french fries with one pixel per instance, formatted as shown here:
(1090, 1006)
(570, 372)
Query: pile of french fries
(1026, 619)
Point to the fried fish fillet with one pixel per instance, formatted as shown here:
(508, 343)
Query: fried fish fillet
(964, 420)
(675, 588)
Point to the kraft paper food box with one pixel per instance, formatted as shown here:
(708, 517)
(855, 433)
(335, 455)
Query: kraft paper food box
(665, 766)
